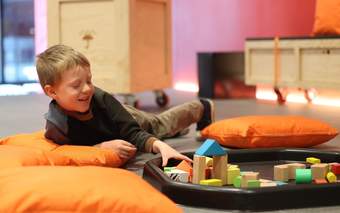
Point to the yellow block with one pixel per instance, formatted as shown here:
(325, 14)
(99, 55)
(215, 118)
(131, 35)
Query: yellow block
(232, 166)
(313, 160)
(208, 161)
(331, 177)
(211, 182)
(232, 173)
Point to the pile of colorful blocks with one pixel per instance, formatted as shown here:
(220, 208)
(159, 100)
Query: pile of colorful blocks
(210, 167)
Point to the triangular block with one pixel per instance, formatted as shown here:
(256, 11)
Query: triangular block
(184, 165)
(210, 148)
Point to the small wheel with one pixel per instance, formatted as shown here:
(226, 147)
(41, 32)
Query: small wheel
(309, 94)
(162, 99)
(281, 98)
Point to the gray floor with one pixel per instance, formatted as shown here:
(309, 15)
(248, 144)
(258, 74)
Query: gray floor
(20, 114)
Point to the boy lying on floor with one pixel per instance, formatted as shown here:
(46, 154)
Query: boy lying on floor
(82, 114)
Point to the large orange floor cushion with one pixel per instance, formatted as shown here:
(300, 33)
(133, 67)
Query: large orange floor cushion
(88, 189)
(327, 17)
(88, 155)
(35, 139)
(270, 131)
(55, 154)
(14, 156)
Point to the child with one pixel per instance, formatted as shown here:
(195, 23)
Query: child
(82, 114)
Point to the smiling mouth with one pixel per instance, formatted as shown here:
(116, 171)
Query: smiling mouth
(84, 99)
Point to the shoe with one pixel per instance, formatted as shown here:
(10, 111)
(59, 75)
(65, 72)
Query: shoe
(208, 116)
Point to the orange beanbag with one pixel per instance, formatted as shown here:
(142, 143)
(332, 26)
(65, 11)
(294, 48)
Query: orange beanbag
(88, 155)
(55, 154)
(78, 189)
(14, 156)
(327, 17)
(269, 131)
(35, 139)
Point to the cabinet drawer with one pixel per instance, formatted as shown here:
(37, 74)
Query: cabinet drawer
(262, 66)
(320, 66)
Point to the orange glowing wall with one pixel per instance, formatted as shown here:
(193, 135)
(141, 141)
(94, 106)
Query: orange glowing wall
(223, 25)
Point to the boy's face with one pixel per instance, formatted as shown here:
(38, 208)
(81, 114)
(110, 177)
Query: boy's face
(74, 91)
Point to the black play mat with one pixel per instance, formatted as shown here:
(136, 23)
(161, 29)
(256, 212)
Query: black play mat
(266, 198)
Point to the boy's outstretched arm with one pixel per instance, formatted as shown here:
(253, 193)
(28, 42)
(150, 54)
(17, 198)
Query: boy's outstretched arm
(167, 152)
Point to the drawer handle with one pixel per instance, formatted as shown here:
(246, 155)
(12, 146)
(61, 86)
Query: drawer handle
(327, 51)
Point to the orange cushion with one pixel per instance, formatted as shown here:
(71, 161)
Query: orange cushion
(64, 155)
(81, 189)
(88, 155)
(269, 131)
(327, 17)
(14, 156)
(35, 139)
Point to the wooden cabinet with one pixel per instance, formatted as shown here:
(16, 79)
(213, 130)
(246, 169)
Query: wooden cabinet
(293, 62)
(128, 42)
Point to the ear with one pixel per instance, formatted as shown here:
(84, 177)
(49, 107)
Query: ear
(50, 91)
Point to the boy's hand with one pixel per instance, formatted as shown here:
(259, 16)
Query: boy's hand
(124, 149)
(167, 152)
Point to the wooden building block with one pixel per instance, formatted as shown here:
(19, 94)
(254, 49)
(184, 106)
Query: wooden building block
(319, 170)
(281, 172)
(178, 175)
(280, 183)
(265, 180)
(211, 182)
(335, 168)
(292, 167)
(268, 184)
(184, 165)
(313, 160)
(232, 166)
(232, 174)
(251, 175)
(220, 168)
(237, 181)
(168, 168)
(246, 176)
(210, 148)
(208, 161)
(253, 184)
(331, 177)
(198, 171)
(320, 181)
(208, 172)
(303, 176)
(333, 163)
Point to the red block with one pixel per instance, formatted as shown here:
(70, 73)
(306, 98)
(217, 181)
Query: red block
(336, 169)
(208, 172)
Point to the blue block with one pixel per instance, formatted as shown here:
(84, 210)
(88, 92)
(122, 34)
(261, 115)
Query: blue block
(280, 183)
(210, 148)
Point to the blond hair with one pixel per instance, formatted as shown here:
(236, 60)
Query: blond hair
(55, 60)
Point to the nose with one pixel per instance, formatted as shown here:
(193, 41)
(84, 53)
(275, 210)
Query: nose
(87, 88)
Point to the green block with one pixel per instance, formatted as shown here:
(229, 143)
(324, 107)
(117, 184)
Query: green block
(303, 175)
(253, 183)
(168, 169)
(237, 182)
